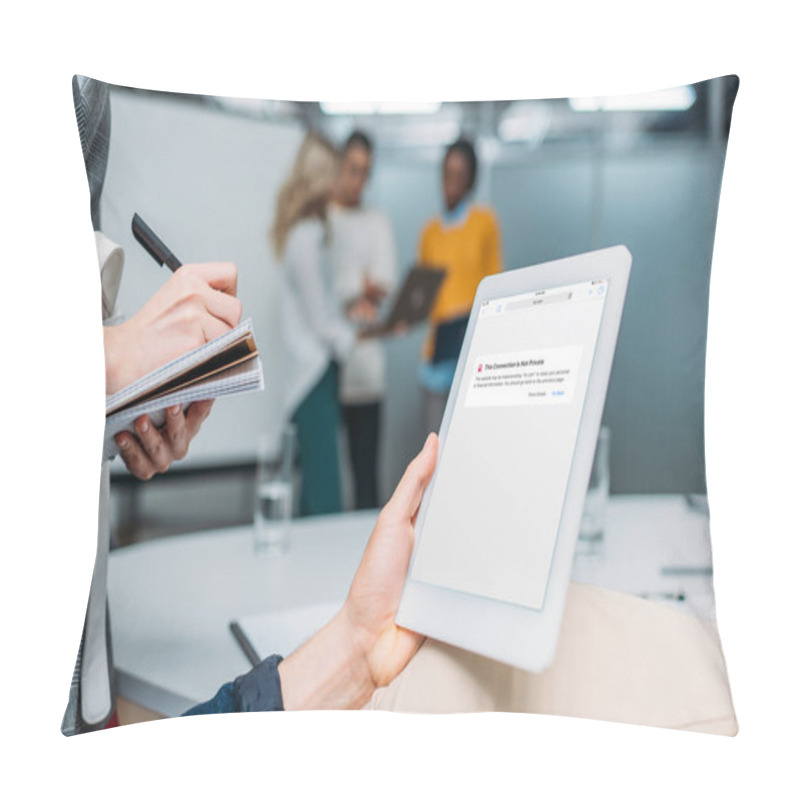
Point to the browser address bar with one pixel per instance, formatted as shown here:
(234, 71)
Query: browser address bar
(532, 302)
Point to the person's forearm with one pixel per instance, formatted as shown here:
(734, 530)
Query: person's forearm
(329, 671)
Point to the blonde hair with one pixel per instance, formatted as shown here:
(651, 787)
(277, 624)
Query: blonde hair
(305, 192)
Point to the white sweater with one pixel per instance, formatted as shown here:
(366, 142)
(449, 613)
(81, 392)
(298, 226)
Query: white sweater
(314, 330)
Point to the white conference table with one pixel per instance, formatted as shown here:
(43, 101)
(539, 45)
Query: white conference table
(172, 599)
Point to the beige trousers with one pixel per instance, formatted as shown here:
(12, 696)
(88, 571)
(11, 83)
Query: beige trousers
(619, 658)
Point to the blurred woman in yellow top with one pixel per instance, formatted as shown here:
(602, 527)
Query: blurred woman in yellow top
(464, 241)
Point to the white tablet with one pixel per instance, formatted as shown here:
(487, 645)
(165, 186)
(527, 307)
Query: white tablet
(496, 530)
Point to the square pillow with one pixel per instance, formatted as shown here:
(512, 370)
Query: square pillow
(323, 209)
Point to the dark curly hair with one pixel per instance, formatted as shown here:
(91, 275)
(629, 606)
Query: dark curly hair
(466, 149)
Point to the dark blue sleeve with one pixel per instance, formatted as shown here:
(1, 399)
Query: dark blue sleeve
(223, 702)
(257, 690)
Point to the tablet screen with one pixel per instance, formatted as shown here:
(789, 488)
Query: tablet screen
(495, 508)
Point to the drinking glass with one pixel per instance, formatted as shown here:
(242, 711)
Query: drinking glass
(593, 520)
(272, 515)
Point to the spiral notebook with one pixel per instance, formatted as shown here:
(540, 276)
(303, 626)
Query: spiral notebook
(229, 364)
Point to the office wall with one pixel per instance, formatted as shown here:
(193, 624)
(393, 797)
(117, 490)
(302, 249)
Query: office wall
(663, 205)
(207, 182)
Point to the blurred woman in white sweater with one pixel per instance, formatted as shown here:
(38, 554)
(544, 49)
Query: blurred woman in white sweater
(316, 334)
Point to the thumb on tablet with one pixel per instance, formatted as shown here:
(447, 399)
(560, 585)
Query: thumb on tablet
(408, 494)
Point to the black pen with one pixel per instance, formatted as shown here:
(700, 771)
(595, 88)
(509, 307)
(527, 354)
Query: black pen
(244, 643)
(157, 249)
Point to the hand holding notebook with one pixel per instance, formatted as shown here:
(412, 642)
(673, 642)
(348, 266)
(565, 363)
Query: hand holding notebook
(191, 322)
(228, 364)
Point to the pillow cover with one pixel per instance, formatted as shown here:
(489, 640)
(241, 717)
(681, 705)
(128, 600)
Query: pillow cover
(323, 209)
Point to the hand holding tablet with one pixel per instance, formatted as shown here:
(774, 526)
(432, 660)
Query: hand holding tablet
(497, 528)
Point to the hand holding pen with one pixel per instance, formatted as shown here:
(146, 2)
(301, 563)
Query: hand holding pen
(196, 304)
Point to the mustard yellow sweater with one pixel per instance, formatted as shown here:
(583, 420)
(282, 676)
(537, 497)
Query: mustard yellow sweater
(468, 252)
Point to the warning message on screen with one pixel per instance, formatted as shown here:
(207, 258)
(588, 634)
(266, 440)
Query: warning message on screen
(531, 377)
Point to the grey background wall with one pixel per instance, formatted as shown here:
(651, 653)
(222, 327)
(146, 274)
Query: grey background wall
(661, 202)
(207, 182)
